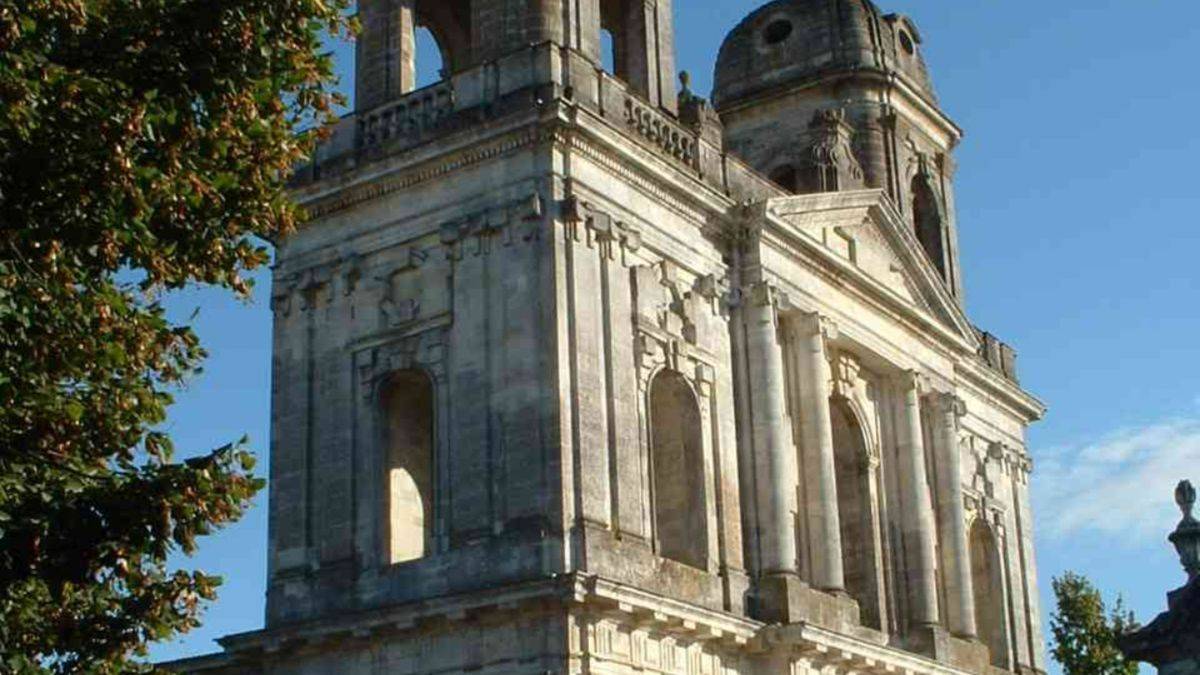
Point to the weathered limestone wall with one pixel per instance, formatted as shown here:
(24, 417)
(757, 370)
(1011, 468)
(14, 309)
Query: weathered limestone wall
(677, 421)
(451, 287)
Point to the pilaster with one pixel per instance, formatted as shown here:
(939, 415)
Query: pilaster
(955, 547)
(917, 508)
(820, 473)
(775, 457)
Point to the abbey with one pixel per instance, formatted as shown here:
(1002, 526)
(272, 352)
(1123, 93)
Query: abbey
(578, 372)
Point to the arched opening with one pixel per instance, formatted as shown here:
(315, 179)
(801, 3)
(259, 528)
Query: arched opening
(643, 55)
(406, 404)
(431, 64)
(856, 513)
(928, 222)
(402, 44)
(448, 27)
(785, 176)
(677, 471)
(613, 29)
(987, 581)
(608, 51)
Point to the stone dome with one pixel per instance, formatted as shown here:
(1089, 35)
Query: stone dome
(788, 42)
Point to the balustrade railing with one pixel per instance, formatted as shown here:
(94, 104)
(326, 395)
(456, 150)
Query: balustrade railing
(663, 132)
(407, 117)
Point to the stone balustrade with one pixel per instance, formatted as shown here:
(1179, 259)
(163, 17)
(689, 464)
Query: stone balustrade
(407, 117)
(665, 133)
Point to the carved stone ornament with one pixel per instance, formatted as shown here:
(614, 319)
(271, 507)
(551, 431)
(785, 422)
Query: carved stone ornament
(830, 159)
(425, 350)
(474, 233)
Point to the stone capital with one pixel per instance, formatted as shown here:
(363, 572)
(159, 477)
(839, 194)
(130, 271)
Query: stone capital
(948, 404)
(909, 380)
(809, 323)
(763, 294)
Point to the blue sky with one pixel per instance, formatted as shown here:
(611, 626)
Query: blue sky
(1078, 222)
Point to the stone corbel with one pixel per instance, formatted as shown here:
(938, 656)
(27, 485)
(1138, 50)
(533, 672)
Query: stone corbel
(451, 233)
(603, 231)
(315, 287)
(480, 228)
(351, 273)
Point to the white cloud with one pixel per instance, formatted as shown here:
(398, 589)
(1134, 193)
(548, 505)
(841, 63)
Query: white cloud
(1122, 485)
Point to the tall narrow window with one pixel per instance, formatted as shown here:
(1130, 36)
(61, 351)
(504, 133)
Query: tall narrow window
(927, 221)
(988, 584)
(677, 468)
(856, 512)
(407, 408)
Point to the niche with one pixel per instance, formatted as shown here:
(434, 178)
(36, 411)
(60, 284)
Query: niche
(406, 405)
(677, 470)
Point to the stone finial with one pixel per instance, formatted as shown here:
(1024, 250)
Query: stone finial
(1185, 497)
(685, 81)
(1186, 537)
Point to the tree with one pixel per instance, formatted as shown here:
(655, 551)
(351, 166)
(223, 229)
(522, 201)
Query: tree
(144, 145)
(1085, 631)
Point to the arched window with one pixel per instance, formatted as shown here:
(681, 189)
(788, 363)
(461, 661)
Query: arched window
(677, 470)
(988, 584)
(928, 222)
(856, 513)
(407, 408)
(785, 176)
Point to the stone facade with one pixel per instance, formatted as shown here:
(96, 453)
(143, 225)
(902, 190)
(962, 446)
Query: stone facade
(574, 374)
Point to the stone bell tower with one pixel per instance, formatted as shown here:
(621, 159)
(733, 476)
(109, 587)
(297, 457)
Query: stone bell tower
(563, 382)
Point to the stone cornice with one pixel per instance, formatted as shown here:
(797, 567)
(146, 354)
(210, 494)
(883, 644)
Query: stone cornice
(958, 339)
(681, 187)
(421, 165)
(1000, 389)
(890, 79)
(854, 207)
(825, 647)
(778, 232)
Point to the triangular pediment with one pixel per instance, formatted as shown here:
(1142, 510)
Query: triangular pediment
(864, 231)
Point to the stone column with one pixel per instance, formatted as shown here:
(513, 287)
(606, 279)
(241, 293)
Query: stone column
(917, 509)
(775, 457)
(385, 53)
(952, 518)
(820, 471)
(648, 51)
